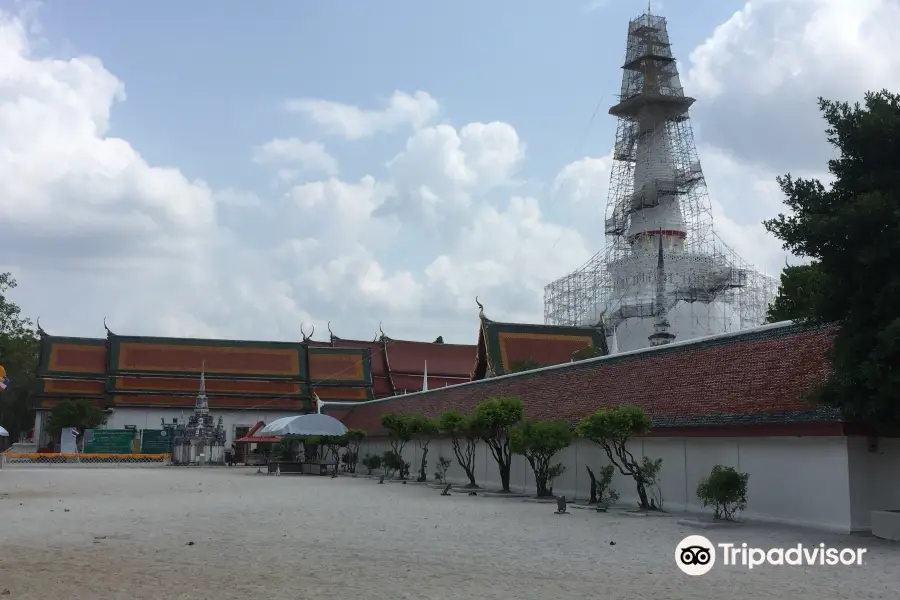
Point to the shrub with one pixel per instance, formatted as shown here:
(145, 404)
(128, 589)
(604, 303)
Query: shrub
(442, 467)
(725, 490)
(371, 462)
(394, 464)
(539, 442)
(602, 491)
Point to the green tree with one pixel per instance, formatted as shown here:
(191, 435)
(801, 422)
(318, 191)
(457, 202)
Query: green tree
(423, 430)
(79, 413)
(495, 417)
(538, 442)
(462, 430)
(399, 428)
(19, 348)
(611, 429)
(851, 229)
(796, 292)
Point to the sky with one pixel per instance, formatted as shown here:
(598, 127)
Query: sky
(227, 169)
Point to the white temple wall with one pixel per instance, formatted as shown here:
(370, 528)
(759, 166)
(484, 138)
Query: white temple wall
(874, 485)
(793, 480)
(149, 418)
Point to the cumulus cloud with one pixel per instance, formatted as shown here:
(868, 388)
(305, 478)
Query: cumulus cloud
(401, 110)
(293, 153)
(91, 229)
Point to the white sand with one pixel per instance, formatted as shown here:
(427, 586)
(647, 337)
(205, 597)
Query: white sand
(309, 537)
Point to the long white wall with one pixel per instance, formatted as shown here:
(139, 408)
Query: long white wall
(824, 482)
(149, 418)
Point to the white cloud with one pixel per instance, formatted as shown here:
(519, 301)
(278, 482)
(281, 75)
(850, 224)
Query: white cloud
(758, 75)
(402, 110)
(293, 152)
(91, 229)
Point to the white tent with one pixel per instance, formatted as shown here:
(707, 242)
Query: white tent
(3, 432)
(306, 425)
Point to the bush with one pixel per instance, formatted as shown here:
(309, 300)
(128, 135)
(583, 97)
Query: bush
(725, 490)
(442, 467)
(394, 463)
(371, 462)
(602, 491)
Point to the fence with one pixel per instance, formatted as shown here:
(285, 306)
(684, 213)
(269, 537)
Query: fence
(12, 458)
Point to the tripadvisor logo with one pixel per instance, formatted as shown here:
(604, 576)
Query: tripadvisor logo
(696, 555)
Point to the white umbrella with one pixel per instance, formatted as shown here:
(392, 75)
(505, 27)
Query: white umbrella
(305, 425)
(3, 432)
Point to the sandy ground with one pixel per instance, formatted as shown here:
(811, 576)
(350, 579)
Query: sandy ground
(83, 533)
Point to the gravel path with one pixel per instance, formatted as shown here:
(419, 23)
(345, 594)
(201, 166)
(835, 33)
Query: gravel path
(127, 533)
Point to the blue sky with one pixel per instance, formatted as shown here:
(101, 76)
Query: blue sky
(206, 79)
(164, 219)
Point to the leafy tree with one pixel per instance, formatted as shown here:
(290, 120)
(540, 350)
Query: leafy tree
(495, 417)
(79, 413)
(399, 428)
(587, 352)
(354, 437)
(795, 294)
(611, 429)
(333, 444)
(462, 429)
(538, 442)
(19, 348)
(393, 462)
(602, 491)
(423, 431)
(851, 229)
(526, 364)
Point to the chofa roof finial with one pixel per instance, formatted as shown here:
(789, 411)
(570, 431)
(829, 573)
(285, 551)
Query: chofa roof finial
(303, 333)
(330, 332)
(40, 330)
(312, 332)
(108, 331)
(381, 331)
(480, 308)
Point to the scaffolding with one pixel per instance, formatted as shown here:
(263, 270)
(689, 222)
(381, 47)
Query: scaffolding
(658, 195)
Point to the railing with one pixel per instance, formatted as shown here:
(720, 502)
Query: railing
(34, 458)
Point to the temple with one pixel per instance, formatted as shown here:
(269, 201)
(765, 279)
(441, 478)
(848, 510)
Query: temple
(505, 348)
(141, 382)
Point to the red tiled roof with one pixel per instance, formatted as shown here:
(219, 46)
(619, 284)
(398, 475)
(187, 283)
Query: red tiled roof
(742, 378)
(381, 381)
(408, 358)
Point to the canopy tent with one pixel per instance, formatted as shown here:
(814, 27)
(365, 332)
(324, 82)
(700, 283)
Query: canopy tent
(258, 439)
(3, 432)
(304, 425)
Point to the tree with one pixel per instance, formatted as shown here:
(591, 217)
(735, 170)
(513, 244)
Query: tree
(611, 429)
(795, 294)
(526, 364)
(461, 430)
(538, 442)
(333, 444)
(587, 352)
(851, 229)
(725, 490)
(79, 413)
(19, 348)
(399, 428)
(495, 417)
(354, 437)
(423, 431)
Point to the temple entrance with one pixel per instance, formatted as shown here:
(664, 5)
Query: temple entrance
(240, 450)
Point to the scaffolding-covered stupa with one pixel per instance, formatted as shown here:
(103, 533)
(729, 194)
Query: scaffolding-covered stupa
(200, 441)
(664, 274)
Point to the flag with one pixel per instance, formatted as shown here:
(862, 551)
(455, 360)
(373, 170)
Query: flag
(74, 432)
(319, 403)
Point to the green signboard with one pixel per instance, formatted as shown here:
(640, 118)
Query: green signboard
(108, 441)
(156, 441)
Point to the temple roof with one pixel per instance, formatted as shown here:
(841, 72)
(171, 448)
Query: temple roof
(755, 377)
(502, 345)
